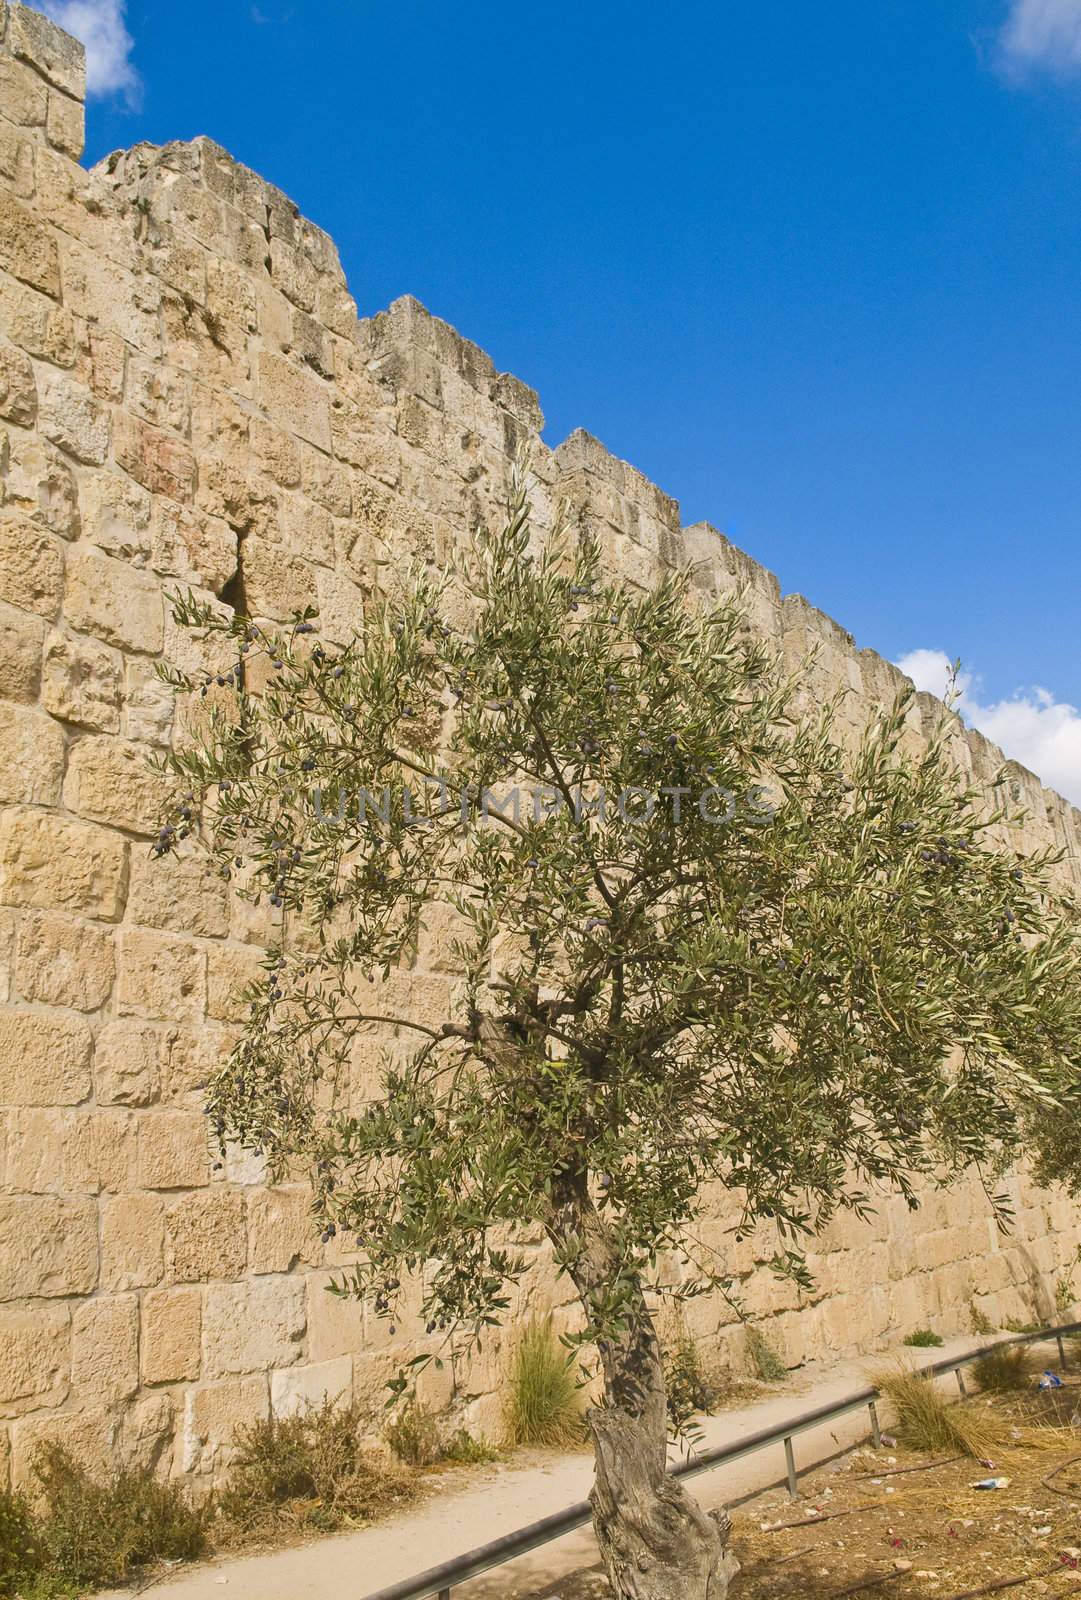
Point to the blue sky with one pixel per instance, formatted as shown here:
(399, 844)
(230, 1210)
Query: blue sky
(814, 269)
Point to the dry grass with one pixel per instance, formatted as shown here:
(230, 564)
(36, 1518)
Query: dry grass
(1005, 1370)
(544, 1401)
(311, 1472)
(927, 1421)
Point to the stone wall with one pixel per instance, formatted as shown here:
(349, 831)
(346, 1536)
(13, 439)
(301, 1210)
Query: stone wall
(188, 398)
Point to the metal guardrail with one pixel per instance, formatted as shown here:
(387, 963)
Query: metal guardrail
(438, 1582)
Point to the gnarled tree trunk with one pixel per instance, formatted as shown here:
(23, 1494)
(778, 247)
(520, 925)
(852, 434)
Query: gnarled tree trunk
(656, 1541)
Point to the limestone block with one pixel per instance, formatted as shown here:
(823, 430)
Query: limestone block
(296, 401)
(325, 482)
(132, 1241)
(206, 1236)
(254, 1325)
(171, 1332)
(48, 1246)
(307, 529)
(341, 607)
(31, 566)
(31, 757)
(99, 1152)
(160, 396)
(294, 274)
(277, 584)
(281, 1229)
(108, 599)
(108, 364)
(129, 1063)
(159, 461)
(172, 1150)
(148, 704)
(105, 1349)
(91, 1436)
(35, 1357)
(44, 1058)
(160, 978)
(192, 545)
(40, 486)
(81, 682)
(181, 893)
(229, 492)
(27, 250)
(59, 58)
(35, 1139)
(49, 862)
(24, 99)
(335, 1322)
(116, 515)
(18, 392)
(230, 970)
(212, 1414)
(62, 962)
(299, 1389)
(65, 125)
(195, 1054)
(111, 781)
(278, 452)
(21, 637)
(147, 1432)
(74, 421)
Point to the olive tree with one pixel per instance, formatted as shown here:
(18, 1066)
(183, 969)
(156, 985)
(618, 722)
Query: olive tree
(700, 946)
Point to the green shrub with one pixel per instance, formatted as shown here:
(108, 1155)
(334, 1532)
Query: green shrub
(923, 1339)
(20, 1546)
(1003, 1371)
(417, 1438)
(92, 1531)
(765, 1362)
(690, 1393)
(311, 1470)
(543, 1404)
(1015, 1325)
(981, 1322)
(1065, 1292)
(414, 1436)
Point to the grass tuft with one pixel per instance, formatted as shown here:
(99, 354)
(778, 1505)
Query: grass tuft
(923, 1339)
(981, 1322)
(418, 1440)
(765, 1362)
(1003, 1371)
(927, 1421)
(309, 1471)
(543, 1403)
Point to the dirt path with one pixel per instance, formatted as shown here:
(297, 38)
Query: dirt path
(469, 1508)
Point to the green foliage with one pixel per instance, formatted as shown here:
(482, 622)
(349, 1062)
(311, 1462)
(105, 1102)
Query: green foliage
(311, 1470)
(1015, 1325)
(765, 1361)
(927, 1421)
(20, 1545)
(923, 1339)
(417, 1438)
(1003, 1371)
(1065, 1292)
(543, 1403)
(806, 973)
(689, 1391)
(87, 1532)
(981, 1322)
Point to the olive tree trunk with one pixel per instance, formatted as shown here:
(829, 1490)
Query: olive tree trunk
(655, 1540)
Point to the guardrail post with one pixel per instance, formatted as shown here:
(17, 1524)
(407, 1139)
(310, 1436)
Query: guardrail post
(876, 1431)
(790, 1466)
(961, 1382)
(1061, 1348)
(444, 1594)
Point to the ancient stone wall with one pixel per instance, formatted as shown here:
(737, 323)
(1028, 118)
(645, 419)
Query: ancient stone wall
(188, 398)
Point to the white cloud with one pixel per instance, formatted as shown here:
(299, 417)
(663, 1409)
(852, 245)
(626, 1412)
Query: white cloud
(1032, 727)
(100, 26)
(1043, 33)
